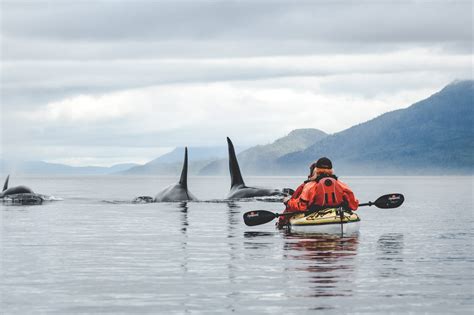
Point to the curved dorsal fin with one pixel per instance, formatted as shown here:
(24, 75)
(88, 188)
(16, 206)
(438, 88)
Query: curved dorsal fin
(5, 186)
(235, 175)
(183, 181)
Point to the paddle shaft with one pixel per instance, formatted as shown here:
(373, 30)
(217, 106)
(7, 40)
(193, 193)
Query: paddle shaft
(290, 213)
(370, 203)
(258, 217)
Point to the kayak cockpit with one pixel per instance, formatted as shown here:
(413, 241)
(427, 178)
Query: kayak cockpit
(327, 221)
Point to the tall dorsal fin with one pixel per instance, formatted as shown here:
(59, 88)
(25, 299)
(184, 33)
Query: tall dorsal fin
(183, 181)
(5, 186)
(235, 175)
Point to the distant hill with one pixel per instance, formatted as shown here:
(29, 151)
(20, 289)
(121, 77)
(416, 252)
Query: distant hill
(261, 159)
(198, 153)
(172, 162)
(433, 136)
(45, 168)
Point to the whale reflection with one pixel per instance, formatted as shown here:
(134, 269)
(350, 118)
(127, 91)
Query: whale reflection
(183, 207)
(233, 217)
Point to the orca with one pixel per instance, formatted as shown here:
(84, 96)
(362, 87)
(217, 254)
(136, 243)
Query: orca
(20, 195)
(237, 187)
(14, 190)
(179, 191)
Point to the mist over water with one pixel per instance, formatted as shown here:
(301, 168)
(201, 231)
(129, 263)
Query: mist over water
(94, 252)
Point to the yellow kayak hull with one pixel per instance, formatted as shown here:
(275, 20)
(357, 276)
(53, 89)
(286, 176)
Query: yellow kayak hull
(326, 221)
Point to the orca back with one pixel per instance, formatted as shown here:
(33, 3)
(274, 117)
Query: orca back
(183, 180)
(5, 186)
(235, 174)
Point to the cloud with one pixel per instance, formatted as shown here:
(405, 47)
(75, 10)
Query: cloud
(26, 82)
(361, 21)
(204, 113)
(85, 155)
(140, 76)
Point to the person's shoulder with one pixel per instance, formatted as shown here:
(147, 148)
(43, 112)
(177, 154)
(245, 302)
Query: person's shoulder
(310, 184)
(308, 190)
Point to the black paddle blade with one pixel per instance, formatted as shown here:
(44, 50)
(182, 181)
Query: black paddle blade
(389, 201)
(258, 217)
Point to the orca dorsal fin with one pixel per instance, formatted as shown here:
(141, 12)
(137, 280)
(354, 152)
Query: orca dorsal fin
(183, 181)
(235, 175)
(5, 186)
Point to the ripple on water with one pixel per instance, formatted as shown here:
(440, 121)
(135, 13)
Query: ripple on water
(82, 255)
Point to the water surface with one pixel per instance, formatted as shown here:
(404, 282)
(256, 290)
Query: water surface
(86, 254)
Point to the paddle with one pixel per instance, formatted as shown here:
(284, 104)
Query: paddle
(257, 217)
(389, 201)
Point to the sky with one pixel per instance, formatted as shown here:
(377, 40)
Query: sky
(107, 82)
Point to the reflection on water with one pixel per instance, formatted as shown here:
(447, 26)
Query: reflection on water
(252, 234)
(232, 268)
(390, 246)
(234, 217)
(183, 206)
(328, 262)
(390, 253)
(259, 240)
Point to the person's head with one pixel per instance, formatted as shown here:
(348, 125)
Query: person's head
(321, 166)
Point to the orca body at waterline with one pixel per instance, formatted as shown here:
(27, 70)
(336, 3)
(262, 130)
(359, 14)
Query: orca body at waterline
(238, 189)
(179, 191)
(20, 195)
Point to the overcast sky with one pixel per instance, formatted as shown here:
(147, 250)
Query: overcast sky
(105, 82)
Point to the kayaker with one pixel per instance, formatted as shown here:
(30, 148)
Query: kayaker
(321, 190)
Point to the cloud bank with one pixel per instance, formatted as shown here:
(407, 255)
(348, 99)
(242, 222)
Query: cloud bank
(136, 78)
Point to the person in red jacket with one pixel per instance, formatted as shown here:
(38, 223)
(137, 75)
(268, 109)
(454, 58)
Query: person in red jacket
(321, 190)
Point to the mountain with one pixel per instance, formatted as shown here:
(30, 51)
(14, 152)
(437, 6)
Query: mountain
(433, 136)
(120, 167)
(261, 159)
(172, 162)
(45, 168)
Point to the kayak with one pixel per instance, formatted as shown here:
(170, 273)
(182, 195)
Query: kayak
(326, 221)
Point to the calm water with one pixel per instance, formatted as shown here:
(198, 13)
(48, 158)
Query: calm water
(84, 255)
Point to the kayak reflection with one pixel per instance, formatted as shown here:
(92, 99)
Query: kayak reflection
(326, 261)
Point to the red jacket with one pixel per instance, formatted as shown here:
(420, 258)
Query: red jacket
(326, 191)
